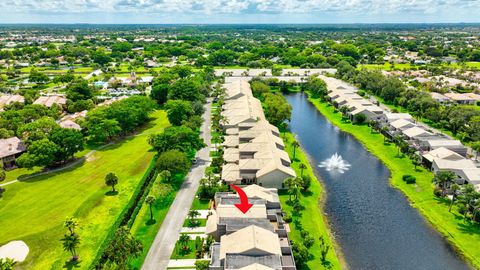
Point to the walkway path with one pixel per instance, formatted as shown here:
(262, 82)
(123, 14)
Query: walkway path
(181, 263)
(158, 256)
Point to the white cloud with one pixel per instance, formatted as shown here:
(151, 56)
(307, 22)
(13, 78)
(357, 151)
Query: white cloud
(222, 7)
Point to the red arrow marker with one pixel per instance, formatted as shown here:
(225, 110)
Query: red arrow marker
(244, 205)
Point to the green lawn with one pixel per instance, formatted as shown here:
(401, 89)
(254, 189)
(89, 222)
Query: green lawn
(312, 218)
(464, 236)
(178, 253)
(200, 204)
(51, 70)
(34, 210)
(387, 66)
(144, 229)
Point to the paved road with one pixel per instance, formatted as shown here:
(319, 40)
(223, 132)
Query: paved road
(158, 256)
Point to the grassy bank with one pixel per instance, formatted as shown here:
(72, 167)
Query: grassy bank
(464, 236)
(312, 218)
(145, 229)
(34, 210)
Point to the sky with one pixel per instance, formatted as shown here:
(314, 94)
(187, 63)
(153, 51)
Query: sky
(238, 11)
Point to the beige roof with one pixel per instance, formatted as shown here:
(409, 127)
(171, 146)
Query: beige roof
(256, 191)
(231, 141)
(472, 175)
(258, 141)
(7, 99)
(211, 226)
(395, 116)
(401, 123)
(415, 132)
(231, 172)
(11, 146)
(237, 89)
(48, 101)
(69, 124)
(460, 97)
(251, 240)
(444, 143)
(453, 165)
(442, 153)
(231, 155)
(256, 266)
(228, 210)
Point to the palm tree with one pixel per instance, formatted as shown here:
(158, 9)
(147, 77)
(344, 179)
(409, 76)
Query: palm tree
(70, 224)
(111, 180)
(7, 264)
(295, 144)
(289, 183)
(70, 243)
(344, 110)
(183, 240)
(455, 189)
(302, 167)
(192, 214)
(150, 200)
(443, 178)
(399, 142)
(476, 209)
(384, 131)
(416, 161)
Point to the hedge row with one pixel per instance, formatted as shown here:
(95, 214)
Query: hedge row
(129, 212)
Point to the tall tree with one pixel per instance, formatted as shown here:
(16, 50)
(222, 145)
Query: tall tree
(71, 243)
(122, 247)
(443, 179)
(150, 200)
(111, 180)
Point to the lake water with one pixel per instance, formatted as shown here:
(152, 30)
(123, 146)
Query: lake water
(373, 222)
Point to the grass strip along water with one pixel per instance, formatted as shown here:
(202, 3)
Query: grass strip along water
(312, 218)
(463, 235)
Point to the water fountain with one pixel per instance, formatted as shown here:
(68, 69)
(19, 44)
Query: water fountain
(335, 163)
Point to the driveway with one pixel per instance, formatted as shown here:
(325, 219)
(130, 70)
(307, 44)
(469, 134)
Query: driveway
(158, 256)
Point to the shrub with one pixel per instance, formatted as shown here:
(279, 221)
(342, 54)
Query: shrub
(287, 218)
(359, 118)
(409, 179)
(437, 192)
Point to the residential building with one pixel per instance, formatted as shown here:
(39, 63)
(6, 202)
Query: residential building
(10, 149)
(258, 238)
(254, 151)
(7, 99)
(48, 101)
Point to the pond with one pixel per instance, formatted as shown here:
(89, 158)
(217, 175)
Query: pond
(373, 222)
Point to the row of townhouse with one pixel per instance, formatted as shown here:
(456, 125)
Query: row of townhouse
(438, 152)
(342, 94)
(253, 150)
(255, 240)
(459, 98)
(254, 158)
(266, 72)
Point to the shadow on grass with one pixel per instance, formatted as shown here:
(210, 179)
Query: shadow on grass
(469, 227)
(70, 264)
(307, 193)
(327, 264)
(111, 193)
(150, 222)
